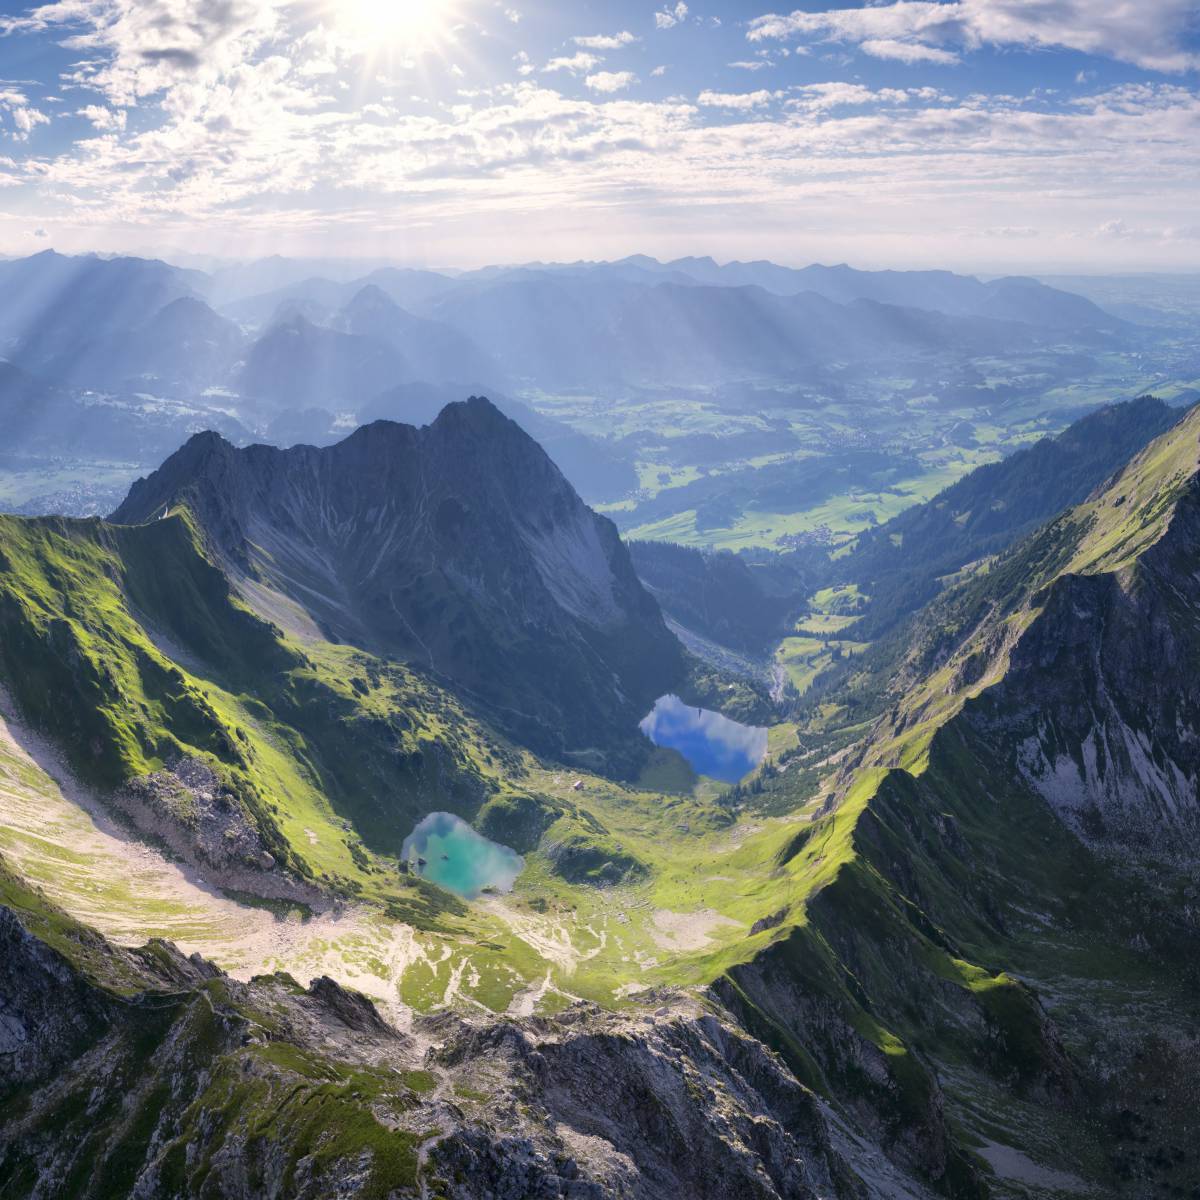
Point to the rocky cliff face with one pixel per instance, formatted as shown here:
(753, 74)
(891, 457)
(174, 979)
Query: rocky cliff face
(1075, 658)
(48, 1015)
(1102, 698)
(191, 811)
(1018, 838)
(458, 545)
(155, 1076)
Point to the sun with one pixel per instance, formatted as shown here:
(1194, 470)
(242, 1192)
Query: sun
(404, 25)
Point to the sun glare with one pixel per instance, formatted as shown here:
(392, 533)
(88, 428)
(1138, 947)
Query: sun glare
(395, 24)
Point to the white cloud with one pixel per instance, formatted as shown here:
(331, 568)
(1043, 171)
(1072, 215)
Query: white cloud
(907, 52)
(1120, 232)
(754, 64)
(605, 41)
(23, 116)
(610, 81)
(577, 64)
(138, 48)
(658, 71)
(669, 17)
(1149, 33)
(1135, 98)
(246, 144)
(103, 118)
(736, 100)
(821, 97)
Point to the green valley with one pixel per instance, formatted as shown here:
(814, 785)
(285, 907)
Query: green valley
(191, 754)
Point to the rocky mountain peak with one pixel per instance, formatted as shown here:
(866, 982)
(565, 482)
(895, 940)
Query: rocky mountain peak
(371, 298)
(458, 545)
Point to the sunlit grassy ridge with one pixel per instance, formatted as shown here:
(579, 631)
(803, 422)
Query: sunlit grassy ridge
(967, 636)
(127, 647)
(895, 885)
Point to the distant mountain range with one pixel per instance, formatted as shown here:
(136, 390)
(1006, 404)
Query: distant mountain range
(46, 420)
(138, 324)
(129, 357)
(1015, 298)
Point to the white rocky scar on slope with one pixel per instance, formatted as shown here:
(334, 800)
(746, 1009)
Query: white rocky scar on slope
(574, 567)
(1132, 795)
(58, 835)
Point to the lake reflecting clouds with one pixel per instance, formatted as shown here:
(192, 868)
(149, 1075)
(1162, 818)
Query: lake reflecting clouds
(713, 744)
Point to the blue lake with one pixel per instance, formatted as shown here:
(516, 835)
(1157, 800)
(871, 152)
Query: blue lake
(713, 745)
(459, 859)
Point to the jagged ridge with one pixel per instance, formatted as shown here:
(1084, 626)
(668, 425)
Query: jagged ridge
(458, 546)
(1016, 835)
(146, 1073)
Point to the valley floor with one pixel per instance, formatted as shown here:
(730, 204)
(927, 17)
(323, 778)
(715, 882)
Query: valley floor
(557, 942)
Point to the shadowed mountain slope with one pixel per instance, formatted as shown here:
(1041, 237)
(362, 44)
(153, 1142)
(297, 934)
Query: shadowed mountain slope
(459, 546)
(181, 349)
(716, 595)
(297, 364)
(56, 305)
(900, 563)
(596, 468)
(431, 350)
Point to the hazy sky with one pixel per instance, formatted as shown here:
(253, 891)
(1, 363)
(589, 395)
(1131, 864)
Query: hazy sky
(986, 134)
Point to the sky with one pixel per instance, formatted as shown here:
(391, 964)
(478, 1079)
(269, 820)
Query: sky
(985, 135)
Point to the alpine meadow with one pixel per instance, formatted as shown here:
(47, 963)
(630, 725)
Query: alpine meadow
(599, 601)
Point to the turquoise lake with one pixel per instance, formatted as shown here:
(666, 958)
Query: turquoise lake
(713, 744)
(459, 859)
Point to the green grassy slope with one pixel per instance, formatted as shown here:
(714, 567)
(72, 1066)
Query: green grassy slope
(127, 647)
(962, 962)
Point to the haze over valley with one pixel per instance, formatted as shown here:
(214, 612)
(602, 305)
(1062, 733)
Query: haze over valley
(744, 406)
